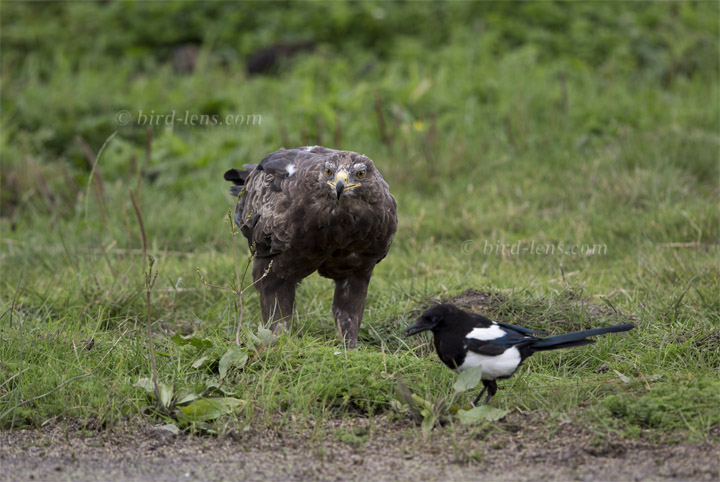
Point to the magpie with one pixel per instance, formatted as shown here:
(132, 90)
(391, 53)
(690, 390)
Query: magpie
(466, 340)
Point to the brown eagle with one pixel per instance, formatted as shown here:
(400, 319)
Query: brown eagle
(314, 209)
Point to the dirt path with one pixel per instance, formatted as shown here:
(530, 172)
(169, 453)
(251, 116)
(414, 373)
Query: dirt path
(390, 451)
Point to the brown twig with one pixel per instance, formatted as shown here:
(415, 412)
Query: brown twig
(91, 163)
(95, 174)
(42, 184)
(337, 133)
(381, 119)
(148, 158)
(237, 291)
(431, 141)
(564, 91)
(318, 132)
(138, 214)
(69, 181)
(149, 283)
(284, 135)
(135, 167)
(99, 185)
(14, 301)
(106, 257)
(123, 211)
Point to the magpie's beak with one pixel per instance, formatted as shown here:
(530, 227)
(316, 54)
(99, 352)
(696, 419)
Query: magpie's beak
(420, 325)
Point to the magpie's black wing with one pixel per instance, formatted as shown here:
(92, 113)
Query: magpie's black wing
(486, 348)
(483, 322)
(520, 329)
(516, 336)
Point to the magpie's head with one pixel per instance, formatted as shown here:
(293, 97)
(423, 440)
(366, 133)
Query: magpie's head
(433, 319)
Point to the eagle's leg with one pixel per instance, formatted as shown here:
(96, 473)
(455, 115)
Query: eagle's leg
(277, 295)
(349, 305)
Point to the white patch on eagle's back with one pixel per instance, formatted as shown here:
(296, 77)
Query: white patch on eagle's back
(493, 366)
(291, 169)
(493, 332)
(308, 148)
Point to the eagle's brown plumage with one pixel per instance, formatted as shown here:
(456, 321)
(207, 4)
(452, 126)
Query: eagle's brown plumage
(314, 208)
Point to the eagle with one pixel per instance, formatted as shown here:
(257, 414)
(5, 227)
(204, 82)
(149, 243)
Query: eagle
(314, 209)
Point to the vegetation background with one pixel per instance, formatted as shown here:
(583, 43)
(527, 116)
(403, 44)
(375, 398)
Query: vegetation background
(495, 123)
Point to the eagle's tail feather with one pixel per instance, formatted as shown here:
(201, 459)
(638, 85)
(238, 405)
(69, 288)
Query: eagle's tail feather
(238, 178)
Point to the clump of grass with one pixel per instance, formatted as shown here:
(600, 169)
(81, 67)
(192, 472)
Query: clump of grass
(672, 405)
(311, 377)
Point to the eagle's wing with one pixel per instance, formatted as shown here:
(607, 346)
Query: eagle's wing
(271, 191)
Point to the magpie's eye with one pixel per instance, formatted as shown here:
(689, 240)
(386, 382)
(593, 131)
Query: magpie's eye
(360, 174)
(328, 171)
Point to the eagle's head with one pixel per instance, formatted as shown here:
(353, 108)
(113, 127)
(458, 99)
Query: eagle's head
(348, 173)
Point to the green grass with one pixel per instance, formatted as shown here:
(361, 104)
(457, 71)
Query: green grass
(502, 140)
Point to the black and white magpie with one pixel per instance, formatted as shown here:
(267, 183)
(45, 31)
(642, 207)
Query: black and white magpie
(465, 340)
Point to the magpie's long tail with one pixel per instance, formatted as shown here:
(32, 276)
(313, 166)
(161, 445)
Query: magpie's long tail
(577, 338)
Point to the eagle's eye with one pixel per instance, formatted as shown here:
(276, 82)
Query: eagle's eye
(328, 171)
(360, 174)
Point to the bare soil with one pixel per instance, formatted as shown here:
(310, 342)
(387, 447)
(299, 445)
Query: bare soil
(385, 450)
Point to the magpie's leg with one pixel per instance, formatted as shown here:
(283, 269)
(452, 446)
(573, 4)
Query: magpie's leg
(480, 395)
(492, 390)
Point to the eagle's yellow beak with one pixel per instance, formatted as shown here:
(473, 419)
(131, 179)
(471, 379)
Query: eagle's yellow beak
(340, 183)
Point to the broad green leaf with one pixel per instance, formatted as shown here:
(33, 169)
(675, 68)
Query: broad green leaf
(622, 377)
(482, 412)
(428, 424)
(209, 408)
(166, 393)
(206, 428)
(172, 428)
(215, 386)
(406, 396)
(468, 379)
(146, 384)
(265, 336)
(199, 362)
(201, 343)
(234, 357)
(186, 396)
(424, 404)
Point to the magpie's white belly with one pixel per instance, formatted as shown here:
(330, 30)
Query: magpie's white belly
(493, 366)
